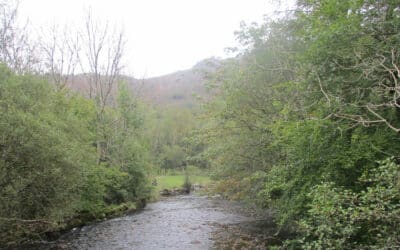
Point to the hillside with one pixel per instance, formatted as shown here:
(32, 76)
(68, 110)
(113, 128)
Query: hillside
(180, 88)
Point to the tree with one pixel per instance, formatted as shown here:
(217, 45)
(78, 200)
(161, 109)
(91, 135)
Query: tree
(61, 55)
(44, 154)
(16, 49)
(287, 110)
(353, 59)
(102, 60)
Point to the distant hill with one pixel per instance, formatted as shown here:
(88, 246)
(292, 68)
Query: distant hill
(180, 88)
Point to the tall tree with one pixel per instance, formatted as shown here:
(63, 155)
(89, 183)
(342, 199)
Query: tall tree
(60, 55)
(16, 48)
(102, 60)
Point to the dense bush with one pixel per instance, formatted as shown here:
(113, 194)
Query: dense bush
(313, 98)
(44, 149)
(342, 219)
(49, 172)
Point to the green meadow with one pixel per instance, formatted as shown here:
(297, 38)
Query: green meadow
(176, 181)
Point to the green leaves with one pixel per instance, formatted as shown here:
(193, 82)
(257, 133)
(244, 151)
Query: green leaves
(343, 219)
(41, 158)
(313, 98)
(48, 161)
(350, 58)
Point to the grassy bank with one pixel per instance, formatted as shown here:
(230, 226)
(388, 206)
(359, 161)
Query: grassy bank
(177, 181)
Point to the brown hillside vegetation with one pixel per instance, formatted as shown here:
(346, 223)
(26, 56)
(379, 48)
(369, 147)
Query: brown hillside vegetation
(180, 88)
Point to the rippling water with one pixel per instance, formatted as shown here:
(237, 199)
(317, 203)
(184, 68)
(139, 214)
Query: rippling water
(182, 222)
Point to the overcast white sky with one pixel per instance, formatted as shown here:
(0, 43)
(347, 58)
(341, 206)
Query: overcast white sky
(163, 35)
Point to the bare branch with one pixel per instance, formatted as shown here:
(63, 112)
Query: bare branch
(102, 60)
(383, 119)
(61, 50)
(16, 49)
(322, 90)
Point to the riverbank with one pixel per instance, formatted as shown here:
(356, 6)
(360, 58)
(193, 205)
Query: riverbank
(173, 185)
(85, 218)
(48, 239)
(179, 184)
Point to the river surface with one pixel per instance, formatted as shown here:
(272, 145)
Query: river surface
(181, 222)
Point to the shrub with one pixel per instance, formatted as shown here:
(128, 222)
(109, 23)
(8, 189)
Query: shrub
(187, 185)
(343, 219)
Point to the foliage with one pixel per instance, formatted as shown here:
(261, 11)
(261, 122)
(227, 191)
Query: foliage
(343, 219)
(312, 97)
(296, 123)
(44, 150)
(170, 129)
(176, 181)
(48, 164)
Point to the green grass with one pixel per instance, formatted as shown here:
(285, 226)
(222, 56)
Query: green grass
(176, 181)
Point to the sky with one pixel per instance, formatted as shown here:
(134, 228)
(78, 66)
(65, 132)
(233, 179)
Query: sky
(163, 36)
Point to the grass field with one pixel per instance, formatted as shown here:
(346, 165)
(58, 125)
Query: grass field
(176, 181)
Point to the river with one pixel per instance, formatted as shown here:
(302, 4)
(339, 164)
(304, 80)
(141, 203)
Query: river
(180, 222)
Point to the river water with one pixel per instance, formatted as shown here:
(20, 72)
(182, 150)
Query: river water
(181, 222)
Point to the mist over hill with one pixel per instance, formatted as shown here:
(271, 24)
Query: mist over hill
(180, 88)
